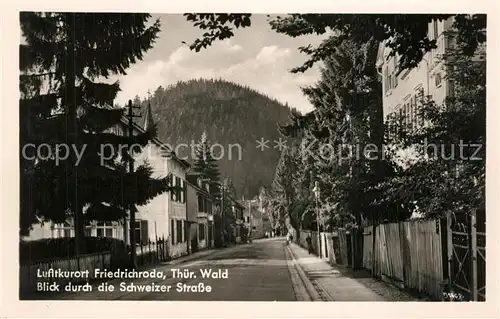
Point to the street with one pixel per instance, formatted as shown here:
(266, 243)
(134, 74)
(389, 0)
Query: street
(255, 272)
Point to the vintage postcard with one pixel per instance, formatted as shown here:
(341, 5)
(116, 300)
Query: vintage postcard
(279, 157)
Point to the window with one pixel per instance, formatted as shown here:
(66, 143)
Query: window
(401, 118)
(438, 79)
(201, 231)
(386, 76)
(173, 191)
(178, 231)
(172, 231)
(137, 229)
(105, 229)
(178, 190)
(415, 115)
(409, 114)
(419, 96)
(435, 29)
(395, 60)
(200, 204)
(62, 230)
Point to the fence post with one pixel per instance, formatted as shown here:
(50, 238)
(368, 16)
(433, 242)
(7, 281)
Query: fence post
(142, 252)
(473, 254)
(449, 240)
(150, 252)
(374, 261)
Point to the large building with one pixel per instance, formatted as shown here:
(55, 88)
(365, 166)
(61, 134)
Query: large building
(402, 91)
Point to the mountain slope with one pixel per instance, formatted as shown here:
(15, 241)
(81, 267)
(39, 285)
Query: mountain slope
(234, 118)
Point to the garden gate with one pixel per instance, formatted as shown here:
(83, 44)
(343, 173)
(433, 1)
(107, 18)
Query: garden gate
(466, 242)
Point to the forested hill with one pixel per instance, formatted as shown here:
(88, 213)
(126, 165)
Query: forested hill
(230, 114)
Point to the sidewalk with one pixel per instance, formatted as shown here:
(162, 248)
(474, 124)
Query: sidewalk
(339, 286)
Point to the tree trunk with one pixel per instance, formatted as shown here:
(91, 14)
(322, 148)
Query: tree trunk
(73, 135)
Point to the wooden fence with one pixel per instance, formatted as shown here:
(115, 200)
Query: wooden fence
(147, 253)
(325, 244)
(29, 278)
(153, 252)
(408, 253)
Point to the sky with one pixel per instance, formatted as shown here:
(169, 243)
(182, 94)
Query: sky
(257, 57)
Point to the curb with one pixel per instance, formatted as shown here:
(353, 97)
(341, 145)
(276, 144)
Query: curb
(301, 293)
(313, 294)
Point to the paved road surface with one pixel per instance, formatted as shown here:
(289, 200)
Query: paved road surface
(256, 272)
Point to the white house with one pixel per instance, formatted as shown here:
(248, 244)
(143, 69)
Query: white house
(163, 217)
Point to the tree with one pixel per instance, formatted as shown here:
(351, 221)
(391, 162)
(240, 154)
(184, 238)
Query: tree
(206, 165)
(63, 104)
(406, 34)
(282, 188)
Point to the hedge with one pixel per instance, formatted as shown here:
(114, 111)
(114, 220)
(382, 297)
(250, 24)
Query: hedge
(54, 248)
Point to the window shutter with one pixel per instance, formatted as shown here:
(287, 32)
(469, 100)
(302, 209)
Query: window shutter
(144, 231)
(184, 192)
(172, 183)
(172, 231)
(178, 231)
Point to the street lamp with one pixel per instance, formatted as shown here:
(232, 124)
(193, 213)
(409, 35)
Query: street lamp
(316, 191)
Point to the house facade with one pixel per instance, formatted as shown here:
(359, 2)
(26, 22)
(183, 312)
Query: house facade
(164, 217)
(403, 91)
(252, 217)
(200, 213)
(239, 226)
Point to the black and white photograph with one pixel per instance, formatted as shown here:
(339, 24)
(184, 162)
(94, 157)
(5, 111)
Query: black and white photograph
(252, 157)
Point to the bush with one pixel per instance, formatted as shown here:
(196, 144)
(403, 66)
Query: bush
(54, 248)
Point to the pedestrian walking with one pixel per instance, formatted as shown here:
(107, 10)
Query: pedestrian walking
(309, 244)
(289, 238)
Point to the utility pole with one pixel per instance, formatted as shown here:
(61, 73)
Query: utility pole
(222, 214)
(316, 191)
(250, 226)
(133, 249)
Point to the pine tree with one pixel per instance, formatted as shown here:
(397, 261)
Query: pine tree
(206, 165)
(62, 103)
(282, 188)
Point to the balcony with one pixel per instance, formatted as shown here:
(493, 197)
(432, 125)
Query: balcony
(203, 214)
